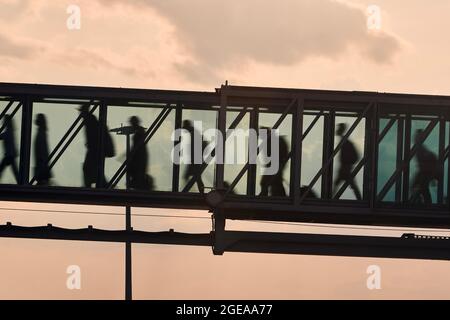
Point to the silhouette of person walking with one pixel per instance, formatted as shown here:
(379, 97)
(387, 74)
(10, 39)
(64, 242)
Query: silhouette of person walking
(348, 157)
(194, 169)
(274, 183)
(9, 146)
(428, 169)
(138, 164)
(42, 172)
(92, 130)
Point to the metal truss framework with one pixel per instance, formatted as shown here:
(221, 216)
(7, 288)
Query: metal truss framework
(381, 114)
(397, 110)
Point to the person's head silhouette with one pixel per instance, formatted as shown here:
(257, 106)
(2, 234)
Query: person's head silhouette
(41, 121)
(135, 121)
(341, 129)
(187, 124)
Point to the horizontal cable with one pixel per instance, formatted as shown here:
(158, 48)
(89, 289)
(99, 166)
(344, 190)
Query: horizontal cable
(297, 224)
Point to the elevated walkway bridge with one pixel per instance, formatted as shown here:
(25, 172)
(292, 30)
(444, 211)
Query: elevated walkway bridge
(383, 127)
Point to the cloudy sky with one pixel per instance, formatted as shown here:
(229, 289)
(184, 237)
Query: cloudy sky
(198, 44)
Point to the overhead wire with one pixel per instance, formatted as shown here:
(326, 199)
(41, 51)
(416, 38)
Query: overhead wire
(296, 224)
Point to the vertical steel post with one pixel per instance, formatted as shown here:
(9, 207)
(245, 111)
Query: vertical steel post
(251, 176)
(328, 148)
(407, 146)
(222, 118)
(25, 141)
(176, 167)
(297, 147)
(372, 155)
(128, 266)
(400, 147)
(102, 116)
(440, 192)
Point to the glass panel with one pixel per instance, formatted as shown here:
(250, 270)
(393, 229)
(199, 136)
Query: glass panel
(348, 158)
(279, 183)
(10, 141)
(423, 173)
(151, 166)
(203, 177)
(312, 151)
(387, 158)
(77, 165)
(446, 182)
(237, 147)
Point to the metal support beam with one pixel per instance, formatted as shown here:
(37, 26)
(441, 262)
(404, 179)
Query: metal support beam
(25, 142)
(405, 247)
(102, 118)
(176, 167)
(221, 126)
(251, 177)
(399, 160)
(16, 109)
(442, 150)
(297, 144)
(4, 111)
(128, 260)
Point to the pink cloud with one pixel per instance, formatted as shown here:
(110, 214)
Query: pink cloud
(223, 34)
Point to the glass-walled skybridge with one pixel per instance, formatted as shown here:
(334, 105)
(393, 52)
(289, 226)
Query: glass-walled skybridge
(350, 157)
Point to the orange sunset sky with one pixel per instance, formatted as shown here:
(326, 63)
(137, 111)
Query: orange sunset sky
(197, 45)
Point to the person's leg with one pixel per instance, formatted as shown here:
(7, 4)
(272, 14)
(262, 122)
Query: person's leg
(200, 185)
(265, 185)
(339, 179)
(89, 167)
(425, 190)
(15, 170)
(3, 165)
(355, 189)
(415, 191)
(85, 174)
(278, 188)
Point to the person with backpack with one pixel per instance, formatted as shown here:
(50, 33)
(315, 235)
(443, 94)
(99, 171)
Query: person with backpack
(273, 184)
(348, 157)
(91, 161)
(428, 169)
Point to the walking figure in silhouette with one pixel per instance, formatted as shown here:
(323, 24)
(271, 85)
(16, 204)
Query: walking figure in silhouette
(428, 169)
(9, 147)
(274, 183)
(348, 157)
(194, 169)
(137, 168)
(42, 172)
(92, 130)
